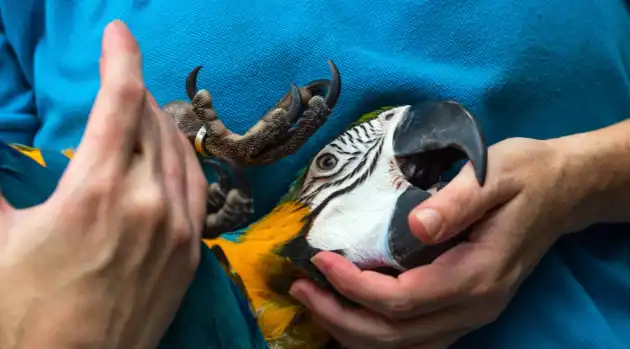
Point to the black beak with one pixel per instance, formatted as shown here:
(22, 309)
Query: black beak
(430, 139)
(433, 136)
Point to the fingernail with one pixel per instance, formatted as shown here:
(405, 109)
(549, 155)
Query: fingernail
(320, 263)
(118, 37)
(112, 34)
(294, 291)
(116, 26)
(431, 221)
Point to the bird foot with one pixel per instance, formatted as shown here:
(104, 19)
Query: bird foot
(229, 205)
(281, 132)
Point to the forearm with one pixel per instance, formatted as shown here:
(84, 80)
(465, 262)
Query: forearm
(598, 166)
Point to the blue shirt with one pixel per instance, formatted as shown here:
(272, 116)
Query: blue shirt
(538, 68)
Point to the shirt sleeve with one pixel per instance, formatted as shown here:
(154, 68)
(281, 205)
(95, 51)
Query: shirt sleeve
(18, 118)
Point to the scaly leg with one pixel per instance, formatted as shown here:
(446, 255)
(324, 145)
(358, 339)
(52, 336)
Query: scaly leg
(281, 132)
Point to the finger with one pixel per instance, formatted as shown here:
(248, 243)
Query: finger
(412, 293)
(169, 176)
(197, 185)
(171, 139)
(443, 342)
(346, 341)
(173, 161)
(143, 190)
(110, 136)
(357, 325)
(186, 216)
(334, 316)
(112, 132)
(458, 205)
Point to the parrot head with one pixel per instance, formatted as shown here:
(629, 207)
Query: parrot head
(361, 187)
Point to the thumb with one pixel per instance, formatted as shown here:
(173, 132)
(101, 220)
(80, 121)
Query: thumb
(452, 209)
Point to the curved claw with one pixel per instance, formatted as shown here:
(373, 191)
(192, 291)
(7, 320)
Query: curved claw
(191, 82)
(296, 108)
(227, 180)
(334, 88)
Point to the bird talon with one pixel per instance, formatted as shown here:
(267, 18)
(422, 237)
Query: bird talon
(273, 137)
(230, 205)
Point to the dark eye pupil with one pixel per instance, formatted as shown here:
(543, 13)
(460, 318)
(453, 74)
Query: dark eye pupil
(327, 161)
(389, 116)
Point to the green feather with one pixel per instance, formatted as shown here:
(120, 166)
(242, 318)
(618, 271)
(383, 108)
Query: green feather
(371, 115)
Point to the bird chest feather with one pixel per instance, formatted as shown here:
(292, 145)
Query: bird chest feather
(266, 277)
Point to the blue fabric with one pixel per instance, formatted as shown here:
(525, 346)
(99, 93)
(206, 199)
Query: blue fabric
(538, 68)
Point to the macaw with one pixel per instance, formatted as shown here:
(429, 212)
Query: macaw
(353, 198)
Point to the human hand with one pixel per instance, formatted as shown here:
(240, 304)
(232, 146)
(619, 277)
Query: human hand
(524, 206)
(105, 262)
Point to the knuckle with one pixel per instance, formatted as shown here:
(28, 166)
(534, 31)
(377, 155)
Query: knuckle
(390, 339)
(174, 171)
(181, 232)
(486, 290)
(130, 89)
(397, 307)
(348, 288)
(345, 288)
(100, 189)
(151, 203)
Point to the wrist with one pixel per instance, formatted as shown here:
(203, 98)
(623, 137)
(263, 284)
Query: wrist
(597, 172)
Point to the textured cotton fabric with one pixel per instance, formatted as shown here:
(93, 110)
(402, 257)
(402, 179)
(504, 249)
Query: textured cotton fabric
(538, 68)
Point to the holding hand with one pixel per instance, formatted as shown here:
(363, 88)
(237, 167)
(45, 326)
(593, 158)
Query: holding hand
(530, 198)
(106, 260)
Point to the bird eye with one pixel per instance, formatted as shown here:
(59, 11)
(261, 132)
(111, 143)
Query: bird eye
(389, 116)
(326, 161)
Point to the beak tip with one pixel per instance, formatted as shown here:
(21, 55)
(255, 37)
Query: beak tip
(480, 173)
(437, 125)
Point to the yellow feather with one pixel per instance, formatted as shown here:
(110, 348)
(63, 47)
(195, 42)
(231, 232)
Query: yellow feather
(31, 152)
(253, 258)
(36, 154)
(69, 153)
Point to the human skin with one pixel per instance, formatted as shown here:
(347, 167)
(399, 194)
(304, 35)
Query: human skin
(105, 262)
(536, 191)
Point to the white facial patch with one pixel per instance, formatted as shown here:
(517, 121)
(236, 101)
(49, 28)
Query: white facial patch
(357, 180)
